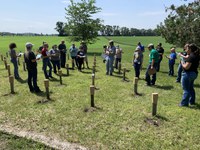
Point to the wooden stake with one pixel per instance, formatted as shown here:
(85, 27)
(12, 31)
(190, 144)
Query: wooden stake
(135, 85)
(119, 67)
(93, 69)
(6, 54)
(93, 79)
(68, 56)
(92, 95)
(8, 68)
(154, 103)
(46, 84)
(5, 62)
(124, 74)
(60, 74)
(11, 80)
(24, 66)
(67, 67)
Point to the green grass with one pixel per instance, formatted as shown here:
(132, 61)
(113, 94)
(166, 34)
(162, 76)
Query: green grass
(122, 121)
(11, 142)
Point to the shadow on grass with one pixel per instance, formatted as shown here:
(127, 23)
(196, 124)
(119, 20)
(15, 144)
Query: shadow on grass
(197, 85)
(92, 109)
(45, 101)
(164, 72)
(165, 87)
(86, 72)
(161, 118)
(196, 106)
(94, 53)
(10, 94)
(22, 81)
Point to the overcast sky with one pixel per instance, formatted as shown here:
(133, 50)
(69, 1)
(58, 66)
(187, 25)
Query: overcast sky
(40, 16)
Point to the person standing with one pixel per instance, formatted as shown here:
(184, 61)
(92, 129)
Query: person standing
(85, 48)
(172, 59)
(55, 58)
(73, 52)
(80, 58)
(153, 62)
(180, 69)
(63, 51)
(142, 50)
(118, 56)
(31, 65)
(189, 74)
(137, 59)
(46, 61)
(160, 50)
(13, 59)
(111, 51)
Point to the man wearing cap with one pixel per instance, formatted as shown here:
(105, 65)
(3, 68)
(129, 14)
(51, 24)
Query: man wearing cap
(153, 62)
(63, 51)
(111, 51)
(31, 66)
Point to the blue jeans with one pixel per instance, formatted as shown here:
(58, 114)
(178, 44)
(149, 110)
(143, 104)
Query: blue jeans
(62, 59)
(109, 65)
(158, 66)
(187, 81)
(16, 73)
(56, 63)
(46, 62)
(147, 76)
(137, 69)
(117, 60)
(32, 77)
(171, 69)
(180, 69)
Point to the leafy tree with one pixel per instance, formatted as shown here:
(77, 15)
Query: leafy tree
(125, 31)
(80, 22)
(108, 30)
(60, 28)
(182, 24)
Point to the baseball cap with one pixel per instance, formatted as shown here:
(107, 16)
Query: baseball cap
(29, 44)
(150, 45)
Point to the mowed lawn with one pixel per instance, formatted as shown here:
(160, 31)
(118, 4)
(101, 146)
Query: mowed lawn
(120, 121)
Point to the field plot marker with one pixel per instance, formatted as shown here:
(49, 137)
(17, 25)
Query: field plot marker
(67, 67)
(5, 62)
(92, 89)
(60, 75)
(136, 85)
(46, 84)
(119, 68)
(154, 103)
(1, 57)
(8, 68)
(11, 80)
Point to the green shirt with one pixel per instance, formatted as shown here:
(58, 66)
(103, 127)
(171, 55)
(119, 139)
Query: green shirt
(154, 55)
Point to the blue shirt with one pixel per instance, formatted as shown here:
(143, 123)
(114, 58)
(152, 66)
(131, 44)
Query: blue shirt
(73, 51)
(173, 57)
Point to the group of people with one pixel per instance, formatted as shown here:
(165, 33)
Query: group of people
(55, 56)
(187, 69)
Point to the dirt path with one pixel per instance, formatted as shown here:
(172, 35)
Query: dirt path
(49, 141)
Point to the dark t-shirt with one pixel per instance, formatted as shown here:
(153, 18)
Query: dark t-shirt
(85, 48)
(81, 53)
(28, 60)
(194, 60)
(161, 52)
(62, 48)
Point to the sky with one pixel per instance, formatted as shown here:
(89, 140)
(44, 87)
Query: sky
(40, 16)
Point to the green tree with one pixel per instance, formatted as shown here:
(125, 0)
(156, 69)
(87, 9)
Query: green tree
(80, 22)
(182, 24)
(60, 26)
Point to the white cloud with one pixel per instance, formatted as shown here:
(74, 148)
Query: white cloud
(65, 2)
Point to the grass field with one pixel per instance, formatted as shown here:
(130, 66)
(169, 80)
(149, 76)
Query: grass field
(121, 121)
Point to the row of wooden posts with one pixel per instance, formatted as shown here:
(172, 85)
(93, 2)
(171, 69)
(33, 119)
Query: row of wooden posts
(92, 86)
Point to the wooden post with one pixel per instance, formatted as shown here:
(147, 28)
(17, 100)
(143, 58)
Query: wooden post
(46, 84)
(8, 67)
(5, 62)
(67, 67)
(24, 66)
(124, 74)
(60, 74)
(1, 57)
(92, 95)
(11, 80)
(135, 85)
(119, 67)
(18, 59)
(154, 103)
(93, 79)
(7, 54)
(68, 56)
(94, 60)
(93, 69)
